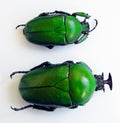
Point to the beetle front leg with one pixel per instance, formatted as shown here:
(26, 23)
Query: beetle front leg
(82, 38)
(81, 14)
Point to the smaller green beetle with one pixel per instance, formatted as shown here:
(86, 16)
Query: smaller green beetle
(50, 86)
(57, 28)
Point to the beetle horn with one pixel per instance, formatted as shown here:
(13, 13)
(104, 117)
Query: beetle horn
(101, 82)
(20, 25)
(96, 23)
(109, 81)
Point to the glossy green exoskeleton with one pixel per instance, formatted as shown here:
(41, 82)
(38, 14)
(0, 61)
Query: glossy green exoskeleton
(57, 28)
(49, 86)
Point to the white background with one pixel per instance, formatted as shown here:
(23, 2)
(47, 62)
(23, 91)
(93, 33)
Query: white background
(101, 51)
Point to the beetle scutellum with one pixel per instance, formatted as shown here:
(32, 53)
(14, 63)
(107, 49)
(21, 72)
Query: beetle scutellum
(57, 28)
(49, 86)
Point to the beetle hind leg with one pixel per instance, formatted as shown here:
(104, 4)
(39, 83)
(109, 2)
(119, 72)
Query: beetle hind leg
(21, 108)
(17, 72)
(43, 108)
(34, 107)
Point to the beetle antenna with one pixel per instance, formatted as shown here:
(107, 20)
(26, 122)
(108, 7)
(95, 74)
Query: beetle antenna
(20, 25)
(94, 26)
(101, 82)
(17, 72)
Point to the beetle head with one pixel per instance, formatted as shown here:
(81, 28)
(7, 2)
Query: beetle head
(101, 82)
(86, 26)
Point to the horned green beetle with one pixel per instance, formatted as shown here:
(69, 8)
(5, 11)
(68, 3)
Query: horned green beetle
(50, 86)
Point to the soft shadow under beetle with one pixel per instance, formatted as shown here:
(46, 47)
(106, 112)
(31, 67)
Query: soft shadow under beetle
(57, 28)
(50, 86)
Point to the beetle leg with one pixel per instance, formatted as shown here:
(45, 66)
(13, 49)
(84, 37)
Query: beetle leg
(44, 64)
(20, 25)
(50, 46)
(61, 12)
(96, 23)
(67, 62)
(35, 107)
(47, 13)
(17, 72)
(21, 108)
(44, 14)
(52, 13)
(81, 14)
(75, 106)
(43, 108)
(82, 38)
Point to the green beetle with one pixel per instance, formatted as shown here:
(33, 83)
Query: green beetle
(57, 28)
(49, 86)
